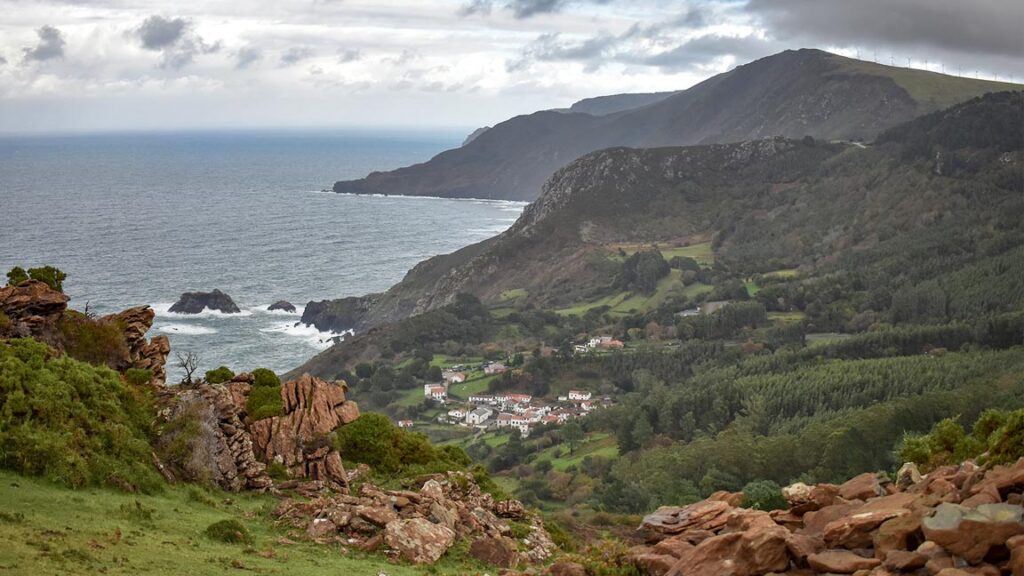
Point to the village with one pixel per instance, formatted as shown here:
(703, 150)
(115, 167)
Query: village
(509, 410)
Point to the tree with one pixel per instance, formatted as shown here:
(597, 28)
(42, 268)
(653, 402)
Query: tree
(643, 432)
(49, 275)
(188, 362)
(572, 433)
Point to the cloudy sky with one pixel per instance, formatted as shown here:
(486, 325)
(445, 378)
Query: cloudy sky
(81, 65)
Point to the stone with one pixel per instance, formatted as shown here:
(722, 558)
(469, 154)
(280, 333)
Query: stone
(908, 475)
(500, 552)
(705, 515)
(282, 305)
(757, 551)
(653, 563)
(904, 561)
(432, 489)
(803, 498)
(320, 527)
(862, 487)
(196, 302)
(801, 546)
(674, 547)
(32, 298)
(418, 540)
(733, 499)
(841, 562)
(899, 533)
(971, 533)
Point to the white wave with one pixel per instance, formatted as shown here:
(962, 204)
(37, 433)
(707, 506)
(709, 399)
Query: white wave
(184, 329)
(164, 309)
(310, 334)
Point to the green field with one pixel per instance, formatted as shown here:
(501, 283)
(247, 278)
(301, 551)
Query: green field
(785, 273)
(624, 303)
(599, 444)
(472, 386)
(52, 530)
(701, 252)
(514, 294)
(786, 317)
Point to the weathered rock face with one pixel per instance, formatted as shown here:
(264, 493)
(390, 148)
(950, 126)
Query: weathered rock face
(313, 408)
(230, 451)
(420, 526)
(282, 305)
(196, 302)
(31, 306)
(954, 520)
(142, 353)
(203, 423)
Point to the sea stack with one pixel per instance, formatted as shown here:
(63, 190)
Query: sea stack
(196, 302)
(283, 305)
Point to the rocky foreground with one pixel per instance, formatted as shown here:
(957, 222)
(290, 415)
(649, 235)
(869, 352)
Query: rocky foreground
(955, 521)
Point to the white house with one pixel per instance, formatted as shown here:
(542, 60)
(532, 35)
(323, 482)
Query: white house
(482, 399)
(524, 430)
(454, 377)
(405, 423)
(457, 415)
(495, 368)
(504, 420)
(478, 416)
(436, 392)
(577, 395)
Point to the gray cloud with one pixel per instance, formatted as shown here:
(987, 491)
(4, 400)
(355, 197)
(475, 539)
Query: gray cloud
(979, 26)
(157, 32)
(174, 39)
(247, 56)
(295, 55)
(50, 46)
(482, 7)
(350, 55)
(3, 60)
(705, 49)
(522, 8)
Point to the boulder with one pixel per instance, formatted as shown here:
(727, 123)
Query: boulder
(282, 305)
(803, 498)
(500, 552)
(417, 540)
(841, 562)
(32, 298)
(751, 553)
(196, 302)
(566, 568)
(971, 533)
(710, 515)
(908, 476)
(313, 409)
(142, 353)
(862, 487)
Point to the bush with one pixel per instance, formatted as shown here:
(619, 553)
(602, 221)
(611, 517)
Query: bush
(997, 437)
(763, 495)
(99, 342)
(229, 531)
(49, 275)
(265, 377)
(73, 423)
(138, 376)
(264, 402)
(389, 450)
(220, 375)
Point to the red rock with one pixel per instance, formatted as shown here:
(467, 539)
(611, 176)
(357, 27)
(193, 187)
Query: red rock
(971, 533)
(32, 298)
(654, 564)
(500, 552)
(566, 568)
(705, 515)
(733, 499)
(857, 530)
(803, 498)
(419, 541)
(904, 561)
(841, 562)
(755, 552)
(801, 546)
(320, 527)
(862, 487)
(1002, 479)
(897, 533)
(675, 547)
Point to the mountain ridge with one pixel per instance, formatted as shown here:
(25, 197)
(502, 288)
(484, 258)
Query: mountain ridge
(800, 93)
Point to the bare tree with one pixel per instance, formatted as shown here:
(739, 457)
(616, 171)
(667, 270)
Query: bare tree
(187, 362)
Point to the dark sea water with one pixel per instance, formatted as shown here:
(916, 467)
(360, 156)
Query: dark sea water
(140, 218)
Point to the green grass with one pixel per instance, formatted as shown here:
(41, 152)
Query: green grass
(702, 253)
(786, 317)
(597, 444)
(624, 303)
(785, 273)
(752, 288)
(52, 530)
(470, 387)
(412, 397)
(445, 361)
(514, 294)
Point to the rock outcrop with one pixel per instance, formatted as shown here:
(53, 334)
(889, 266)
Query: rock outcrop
(282, 305)
(419, 526)
(31, 306)
(954, 520)
(313, 408)
(196, 302)
(221, 445)
(143, 353)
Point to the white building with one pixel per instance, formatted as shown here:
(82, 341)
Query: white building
(457, 415)
(435, 392)
(405, 423)
(577, 395)
(482, 399)
(479, 416)
(504, 420)
(453, 377)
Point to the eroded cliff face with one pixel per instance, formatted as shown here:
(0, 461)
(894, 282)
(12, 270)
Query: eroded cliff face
(207, 435)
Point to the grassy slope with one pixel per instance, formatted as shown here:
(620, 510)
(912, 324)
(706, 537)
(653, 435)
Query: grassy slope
(47, 529)
(931, 88)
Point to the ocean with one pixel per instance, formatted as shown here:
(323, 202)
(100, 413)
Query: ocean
(140, 218)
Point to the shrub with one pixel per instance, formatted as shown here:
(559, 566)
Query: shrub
(99, 342)
(264, 402)
(219, 375)
(996, 438)
(71, 422)
(389, 450)
(49, 275)
(278, 471)
(763, 495)
(229, 531)
(265, 377)
(138, 376)
(5, 323)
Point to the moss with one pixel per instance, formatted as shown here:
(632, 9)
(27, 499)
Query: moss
(265, 377)
(264, 402)
(228, 531)
(219, 375)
